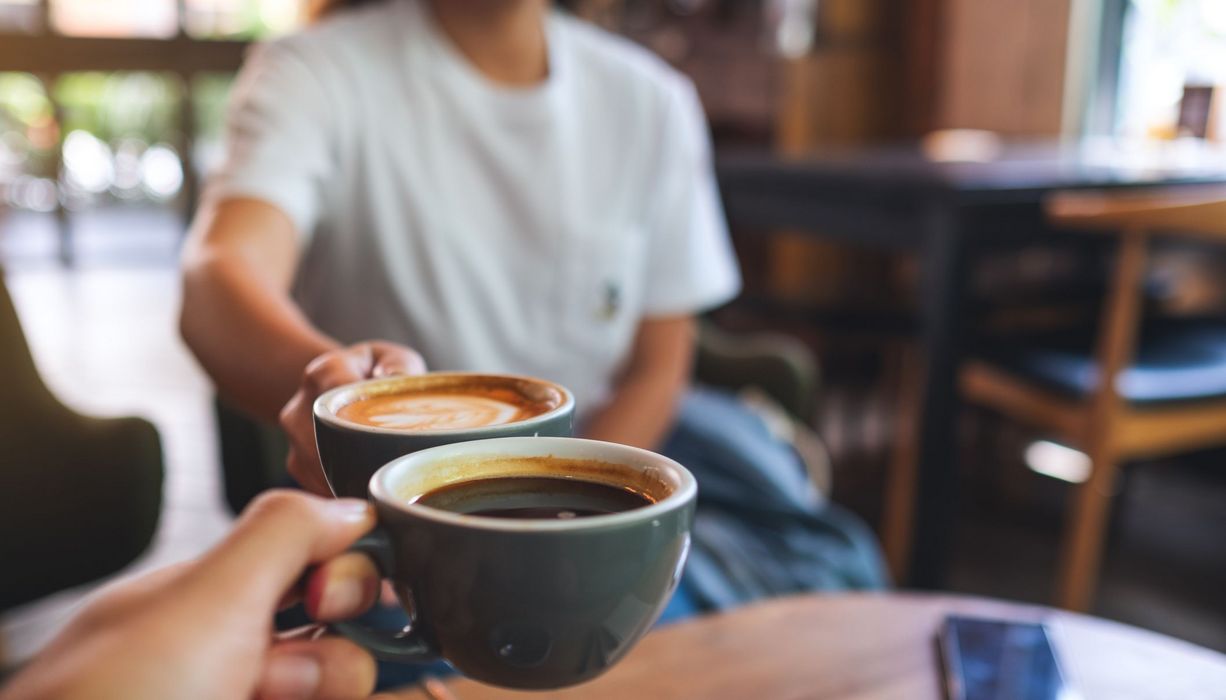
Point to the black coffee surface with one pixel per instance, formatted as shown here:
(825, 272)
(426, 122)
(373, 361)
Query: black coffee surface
(533, 498)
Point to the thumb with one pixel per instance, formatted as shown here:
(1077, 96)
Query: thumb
(277, 537)
(389, 359)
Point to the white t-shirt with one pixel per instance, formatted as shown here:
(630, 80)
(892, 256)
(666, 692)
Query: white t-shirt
(493, 229)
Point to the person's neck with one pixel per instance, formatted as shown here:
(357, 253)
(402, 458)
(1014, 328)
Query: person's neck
(504, 39)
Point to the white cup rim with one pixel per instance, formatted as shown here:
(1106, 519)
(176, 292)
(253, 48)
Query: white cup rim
(684, 490)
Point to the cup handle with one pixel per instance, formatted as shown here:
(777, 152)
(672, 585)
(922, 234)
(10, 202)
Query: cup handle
(402, 646)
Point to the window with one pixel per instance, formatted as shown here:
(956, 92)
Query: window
(209, 96)
(105, 138)
(241, 18)
(119, 130)
(22, 16)
(115, 18)
(28, 139)
(206, 19)
(1171, 48)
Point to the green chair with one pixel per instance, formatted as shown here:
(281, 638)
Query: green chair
(778, 377)
(252, 455)
(79, 496)
(778, 366)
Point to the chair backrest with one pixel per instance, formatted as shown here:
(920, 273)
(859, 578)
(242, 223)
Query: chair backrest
(1189, 211)
(25, 393)
(1136, 216)
(84, 493)
(780, 365)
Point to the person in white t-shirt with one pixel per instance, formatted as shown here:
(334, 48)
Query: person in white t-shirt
(487, 185)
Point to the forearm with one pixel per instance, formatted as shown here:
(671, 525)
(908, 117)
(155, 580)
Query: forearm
(645, 398)
(641, 412)
(250, 337)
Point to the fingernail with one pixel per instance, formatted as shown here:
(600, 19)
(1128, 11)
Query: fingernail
(291, 677)
(341, 598)
(386, 371)
(350, 510)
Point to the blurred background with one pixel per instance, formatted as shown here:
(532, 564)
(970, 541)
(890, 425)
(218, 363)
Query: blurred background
(111, 114)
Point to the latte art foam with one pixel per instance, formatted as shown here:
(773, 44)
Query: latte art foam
(444, 413)
(438, 411)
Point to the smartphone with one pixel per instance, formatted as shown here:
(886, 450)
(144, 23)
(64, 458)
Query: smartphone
(988, 659)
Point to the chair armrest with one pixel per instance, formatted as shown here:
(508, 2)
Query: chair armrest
(1198, 211)
(86, 497)
(780, 365)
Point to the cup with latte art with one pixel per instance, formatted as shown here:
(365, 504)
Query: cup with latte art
(361, 427)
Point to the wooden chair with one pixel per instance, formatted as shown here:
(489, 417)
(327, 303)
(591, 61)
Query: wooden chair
(1145, 390)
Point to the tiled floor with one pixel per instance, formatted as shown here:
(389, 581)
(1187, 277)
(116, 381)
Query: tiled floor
(105, 340)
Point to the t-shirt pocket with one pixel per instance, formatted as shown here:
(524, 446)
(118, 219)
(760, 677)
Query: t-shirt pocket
(608, 274)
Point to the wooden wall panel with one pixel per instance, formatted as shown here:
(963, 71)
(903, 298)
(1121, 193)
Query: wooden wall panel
(1003, 65)
(848, 18)
(830, 99)
(1050, 23)
(845, 93)
(918, 34)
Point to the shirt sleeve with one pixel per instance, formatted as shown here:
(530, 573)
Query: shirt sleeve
(691, 266)
(277, 137)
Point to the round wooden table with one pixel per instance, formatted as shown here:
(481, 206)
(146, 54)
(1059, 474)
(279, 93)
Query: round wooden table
(872, 647)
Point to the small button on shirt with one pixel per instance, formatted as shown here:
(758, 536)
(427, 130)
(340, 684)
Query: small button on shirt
(524, 230)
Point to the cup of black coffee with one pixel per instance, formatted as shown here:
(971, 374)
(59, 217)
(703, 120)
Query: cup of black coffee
(360, 427)
(528, 563)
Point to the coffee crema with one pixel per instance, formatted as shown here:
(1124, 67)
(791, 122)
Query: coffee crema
(533, 498)
(461, 408)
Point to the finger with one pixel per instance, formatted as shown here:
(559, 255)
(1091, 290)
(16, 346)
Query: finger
(275, 539)
(339, 367)
(308, 471)
(345, 365)
(387, 595)
(329, 668)
(344, 587)
(291, 413)
(391, 359)
(305, 633)
(302, 459)
(337, 371)
(297, 420)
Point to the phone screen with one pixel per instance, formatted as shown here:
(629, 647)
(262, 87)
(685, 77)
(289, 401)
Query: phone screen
(998, 660)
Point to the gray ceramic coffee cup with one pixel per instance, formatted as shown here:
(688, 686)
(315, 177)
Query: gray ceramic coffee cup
(351, 452)
(530, 604)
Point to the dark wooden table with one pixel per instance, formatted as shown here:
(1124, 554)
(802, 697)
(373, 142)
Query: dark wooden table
(900, 199)
(871, 647)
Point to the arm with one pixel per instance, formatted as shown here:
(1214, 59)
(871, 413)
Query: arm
(689, 267)
(237, 315)
(252, 339)
(243, 251)
(645, 398)
(200, 630)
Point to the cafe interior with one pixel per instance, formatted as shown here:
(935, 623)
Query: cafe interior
(982, 250)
